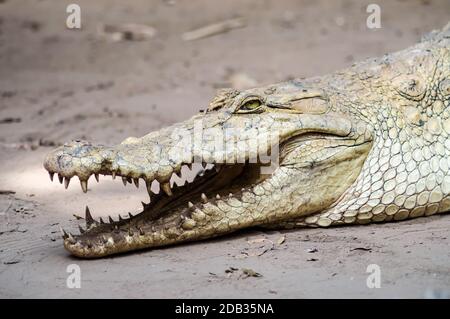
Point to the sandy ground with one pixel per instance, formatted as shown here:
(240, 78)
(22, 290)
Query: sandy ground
(58, 84)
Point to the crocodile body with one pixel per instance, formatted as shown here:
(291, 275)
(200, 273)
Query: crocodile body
(364, 145)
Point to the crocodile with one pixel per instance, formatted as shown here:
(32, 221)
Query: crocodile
(368, 144)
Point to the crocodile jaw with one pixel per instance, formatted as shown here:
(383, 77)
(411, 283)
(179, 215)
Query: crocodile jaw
(321, 152)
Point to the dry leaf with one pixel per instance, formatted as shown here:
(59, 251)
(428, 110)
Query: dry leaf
(281, 240)
(250, 272)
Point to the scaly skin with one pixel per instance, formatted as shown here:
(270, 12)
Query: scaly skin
(367, 144)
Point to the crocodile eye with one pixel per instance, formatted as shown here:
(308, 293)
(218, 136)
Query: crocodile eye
(251, 105)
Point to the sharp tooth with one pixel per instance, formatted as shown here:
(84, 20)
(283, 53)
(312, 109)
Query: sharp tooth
(136, 182)
(51, 175)
(190, 205)
(71, 239)
(181, 183)
(144, 205)
(204, 198)
(97, 177)
(166, 188)
(63, 233)
(188, 224)
(148, 184)
(84, 185)
(110, 219)
(88, 217)
(60, 178)
(124, 181)
(131, 215)
(66, 182)
(157, 185)
(113, 174)
(217, 196)
(82, 231)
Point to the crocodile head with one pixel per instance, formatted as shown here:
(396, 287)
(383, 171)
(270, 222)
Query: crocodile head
(268, 154)
(299, 150)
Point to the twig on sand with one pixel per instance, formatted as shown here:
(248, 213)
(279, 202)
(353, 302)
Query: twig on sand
(213, 29)
(6, 192)
(128, 31)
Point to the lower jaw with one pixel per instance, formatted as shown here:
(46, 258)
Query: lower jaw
(159, 224)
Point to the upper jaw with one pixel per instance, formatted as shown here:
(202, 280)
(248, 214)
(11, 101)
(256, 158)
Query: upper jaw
(159, 155)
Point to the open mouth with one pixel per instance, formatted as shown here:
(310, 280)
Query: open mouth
(177, 204)
(221, 198)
